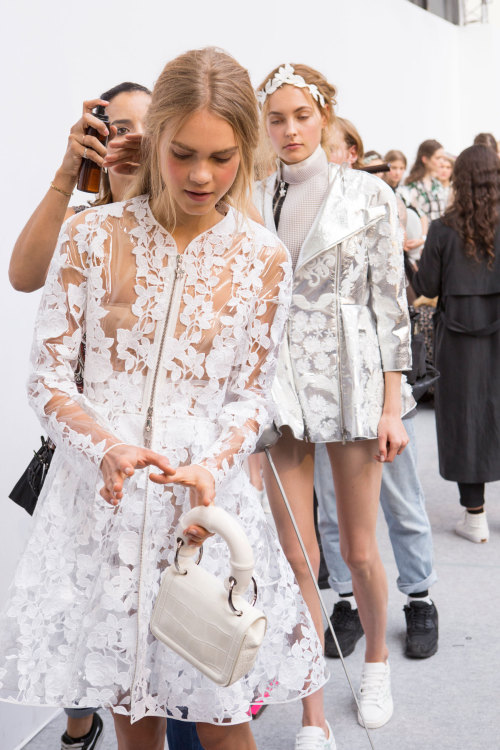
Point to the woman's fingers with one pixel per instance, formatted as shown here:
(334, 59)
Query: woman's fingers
(197, 535)
(382, 448)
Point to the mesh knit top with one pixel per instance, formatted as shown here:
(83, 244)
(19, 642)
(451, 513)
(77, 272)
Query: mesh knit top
(307, 186)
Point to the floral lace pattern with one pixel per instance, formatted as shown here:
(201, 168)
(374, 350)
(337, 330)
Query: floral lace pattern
(75, 631)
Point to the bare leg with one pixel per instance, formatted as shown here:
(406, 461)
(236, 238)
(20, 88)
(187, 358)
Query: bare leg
(77, 728)
(228, 737)
(294, 460)
(146, 733)
(357, 479)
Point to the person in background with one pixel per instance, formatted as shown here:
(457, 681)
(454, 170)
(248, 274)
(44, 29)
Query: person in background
(126, 105)
(403, 503)
(461, 265)
(422, 188)
(445, 175)
(344, 144)
(486, 139)
(330, 387)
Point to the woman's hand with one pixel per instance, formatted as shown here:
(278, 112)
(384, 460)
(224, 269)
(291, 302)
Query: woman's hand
(80, 143)
(124, 153)
(392, 438)
(202, 492)
(120, 463)
(412, 244)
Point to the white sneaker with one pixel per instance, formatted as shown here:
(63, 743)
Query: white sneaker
(375, 697)
(474, 527)
(313, 738)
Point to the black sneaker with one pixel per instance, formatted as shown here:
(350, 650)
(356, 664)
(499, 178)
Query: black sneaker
(90, 741)
(347, 627)
(421, 629)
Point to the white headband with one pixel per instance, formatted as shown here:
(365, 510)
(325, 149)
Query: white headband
(286, 74)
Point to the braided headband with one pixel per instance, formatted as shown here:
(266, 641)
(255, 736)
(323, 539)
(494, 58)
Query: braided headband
(286, 74)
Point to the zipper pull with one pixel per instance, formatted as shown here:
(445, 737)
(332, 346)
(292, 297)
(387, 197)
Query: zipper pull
(282, 188)
(148, 427)
(178, 267)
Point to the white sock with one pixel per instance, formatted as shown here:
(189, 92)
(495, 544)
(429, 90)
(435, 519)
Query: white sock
(426, 599)
(350, 599)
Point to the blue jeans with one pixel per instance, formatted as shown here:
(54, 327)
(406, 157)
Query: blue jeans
(403, 503)
(182, 735)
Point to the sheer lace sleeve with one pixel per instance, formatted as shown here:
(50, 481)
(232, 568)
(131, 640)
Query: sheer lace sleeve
(387, 284)
(65, 413)
(248, 406)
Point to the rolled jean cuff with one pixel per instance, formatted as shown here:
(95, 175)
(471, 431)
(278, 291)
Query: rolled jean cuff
(79, 713)
(343, 587)
(416, 588)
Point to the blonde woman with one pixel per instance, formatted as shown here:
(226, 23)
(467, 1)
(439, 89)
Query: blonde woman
(339, 372)
(182, 300)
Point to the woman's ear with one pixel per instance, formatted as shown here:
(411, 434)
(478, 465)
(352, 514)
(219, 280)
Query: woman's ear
(352, 152)
(324, 117)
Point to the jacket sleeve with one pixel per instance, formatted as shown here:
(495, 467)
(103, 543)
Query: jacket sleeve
(427, 280)
(388, 287)
(248, 407)
(66, 414)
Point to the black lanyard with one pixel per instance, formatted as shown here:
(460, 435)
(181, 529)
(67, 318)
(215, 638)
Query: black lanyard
(278, 200)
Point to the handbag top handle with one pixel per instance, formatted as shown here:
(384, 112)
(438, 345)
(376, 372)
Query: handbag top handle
(216, 520)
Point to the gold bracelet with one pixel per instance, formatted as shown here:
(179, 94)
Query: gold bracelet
(54, 187)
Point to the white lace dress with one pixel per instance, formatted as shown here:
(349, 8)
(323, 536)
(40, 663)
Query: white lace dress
(194, 336)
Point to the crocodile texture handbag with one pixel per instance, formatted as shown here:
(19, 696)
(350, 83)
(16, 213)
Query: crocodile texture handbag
(205, 620)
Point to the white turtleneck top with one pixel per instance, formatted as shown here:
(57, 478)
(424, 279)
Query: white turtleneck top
(307, 187)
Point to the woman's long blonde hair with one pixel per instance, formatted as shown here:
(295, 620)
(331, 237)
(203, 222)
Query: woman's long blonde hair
(265, 155)
(199, 79)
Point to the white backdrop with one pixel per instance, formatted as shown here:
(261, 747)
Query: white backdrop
(403, 75)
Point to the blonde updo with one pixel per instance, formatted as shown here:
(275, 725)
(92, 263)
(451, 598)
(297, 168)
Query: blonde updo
(265, 154)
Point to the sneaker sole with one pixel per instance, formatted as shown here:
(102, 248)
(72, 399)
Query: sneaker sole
(471, 538)
(376, 724)
(428, 654)
(331, 654)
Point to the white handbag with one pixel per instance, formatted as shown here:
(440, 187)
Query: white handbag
(205, 620)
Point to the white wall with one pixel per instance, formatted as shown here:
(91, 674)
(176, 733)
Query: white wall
(403, 75)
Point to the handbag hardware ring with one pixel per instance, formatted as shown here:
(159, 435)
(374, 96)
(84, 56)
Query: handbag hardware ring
(232, 584)
(180, 543)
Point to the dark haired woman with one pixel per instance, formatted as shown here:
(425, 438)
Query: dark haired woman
(126, 105)
(422, 187)
(461, 264)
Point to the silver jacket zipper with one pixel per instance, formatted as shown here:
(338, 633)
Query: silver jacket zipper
(148, 426)
(339, 342)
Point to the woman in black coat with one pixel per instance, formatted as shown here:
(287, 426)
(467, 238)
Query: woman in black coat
(461, 264)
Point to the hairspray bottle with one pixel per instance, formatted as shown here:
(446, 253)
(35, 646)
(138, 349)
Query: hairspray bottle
(89, 177)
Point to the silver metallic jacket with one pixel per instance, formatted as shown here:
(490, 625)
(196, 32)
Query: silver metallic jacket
(349, 316)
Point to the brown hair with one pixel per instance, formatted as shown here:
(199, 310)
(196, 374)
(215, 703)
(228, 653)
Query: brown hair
(312, 77)
(486, 139)
(426, 149)
(127, 87)
(395, 155)
(351, 138)
(199, 79)
(474, 212)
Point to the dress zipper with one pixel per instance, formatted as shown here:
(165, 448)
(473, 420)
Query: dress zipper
(148, 427)
(148, 439)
